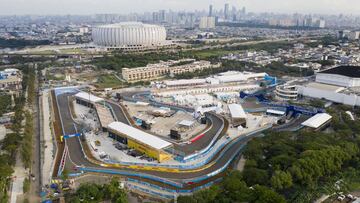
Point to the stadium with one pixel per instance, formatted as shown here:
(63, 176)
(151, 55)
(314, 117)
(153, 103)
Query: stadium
(129, 36)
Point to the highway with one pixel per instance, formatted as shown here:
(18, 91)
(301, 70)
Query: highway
(180, 176)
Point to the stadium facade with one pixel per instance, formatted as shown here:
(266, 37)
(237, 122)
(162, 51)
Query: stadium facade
(129, 36)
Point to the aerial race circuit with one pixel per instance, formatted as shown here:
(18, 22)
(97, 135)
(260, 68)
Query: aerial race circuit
(77, 158)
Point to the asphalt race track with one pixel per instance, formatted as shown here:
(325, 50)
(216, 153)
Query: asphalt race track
(78, 159)
(216, 123)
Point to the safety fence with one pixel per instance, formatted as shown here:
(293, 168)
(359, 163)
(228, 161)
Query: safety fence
(184, 167)
(151, 192)
(172, 183)
(204, 151)
(65, 152)
(63, 161)
(187, 159)
(201, 163)
(172, 190)
(220, 170)
(132, 174)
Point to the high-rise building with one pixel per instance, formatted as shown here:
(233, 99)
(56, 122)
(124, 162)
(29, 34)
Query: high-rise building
(162, 15)
(155, 17)
(233, 10)
(308, 22)
(243, 10)
(319, 23)
(207, 23)
(210, 10)
(226, 12)
(355, 35)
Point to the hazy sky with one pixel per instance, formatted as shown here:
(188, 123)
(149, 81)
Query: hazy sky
(127, 6)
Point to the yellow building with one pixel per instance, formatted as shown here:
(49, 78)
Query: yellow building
(146, 143)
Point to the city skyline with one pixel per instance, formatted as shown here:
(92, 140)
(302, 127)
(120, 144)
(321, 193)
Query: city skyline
(57, 7)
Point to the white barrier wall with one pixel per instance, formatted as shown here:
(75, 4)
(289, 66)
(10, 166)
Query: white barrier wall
(338, 80)
(348, 99)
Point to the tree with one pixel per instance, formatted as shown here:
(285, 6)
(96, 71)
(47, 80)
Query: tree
(281, 180)
(208, 195)
(186, 199)
(253, 176)
(112, 191)
(5, 173)
(98, 193)
(89, 193)
(263, 194)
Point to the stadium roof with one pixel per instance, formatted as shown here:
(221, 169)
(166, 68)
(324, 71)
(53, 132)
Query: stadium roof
(237, 111)
(349, 71)
(88, 97)
(128, 24)
(317, 120)
(139, 135)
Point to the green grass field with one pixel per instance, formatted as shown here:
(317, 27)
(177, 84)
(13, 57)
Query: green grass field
(108, 81)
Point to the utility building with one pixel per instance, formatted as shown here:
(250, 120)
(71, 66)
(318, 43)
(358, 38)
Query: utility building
(317, 122)
(238, 115)
(87, 99)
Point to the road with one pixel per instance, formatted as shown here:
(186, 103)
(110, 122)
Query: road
(36, 185)
(78, 159)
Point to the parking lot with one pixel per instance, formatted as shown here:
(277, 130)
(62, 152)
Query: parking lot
(107, 149)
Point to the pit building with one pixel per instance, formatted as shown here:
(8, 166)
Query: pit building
(146, 143)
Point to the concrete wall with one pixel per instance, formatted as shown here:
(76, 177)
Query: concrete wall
(352, 100)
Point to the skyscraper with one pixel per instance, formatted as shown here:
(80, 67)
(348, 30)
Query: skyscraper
(162, 15)
(210, 10)
(226, 11)
(207, 23)
(243, 10)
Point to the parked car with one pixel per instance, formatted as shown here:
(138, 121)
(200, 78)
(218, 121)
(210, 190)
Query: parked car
(341, 197)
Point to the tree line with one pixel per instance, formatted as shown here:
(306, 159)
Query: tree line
(20, 140)
(21, 43)
(93, 193)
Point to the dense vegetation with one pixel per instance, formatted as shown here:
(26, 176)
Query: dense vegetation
(93, 193)
(325, 41)
(234, 189)
(21, 43)
(275, 68)
(119, 61)
(299, 167)
(5, 104)
(26, 147)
